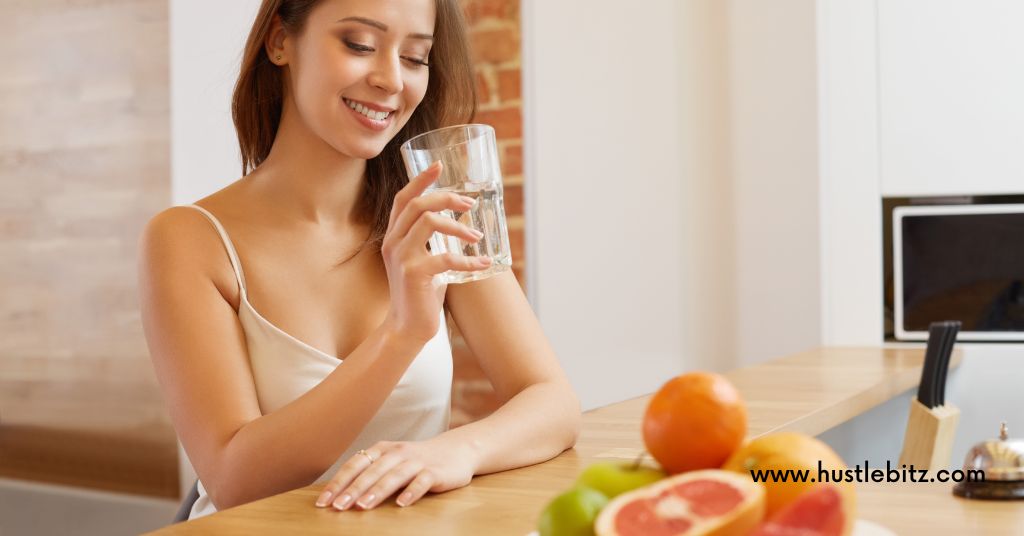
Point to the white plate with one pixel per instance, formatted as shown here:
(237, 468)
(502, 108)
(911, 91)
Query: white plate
(862, 527)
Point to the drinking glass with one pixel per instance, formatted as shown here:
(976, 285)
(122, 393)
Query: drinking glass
(471, 168)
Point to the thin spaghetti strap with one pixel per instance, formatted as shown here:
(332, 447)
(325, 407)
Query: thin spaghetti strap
(236, 264)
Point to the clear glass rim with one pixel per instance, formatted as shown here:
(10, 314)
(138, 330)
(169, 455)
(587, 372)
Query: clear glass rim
(485, 128)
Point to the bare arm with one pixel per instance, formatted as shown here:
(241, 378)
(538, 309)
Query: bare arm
(536, 425)
(199, 352)
(541, 414)
(539, 419)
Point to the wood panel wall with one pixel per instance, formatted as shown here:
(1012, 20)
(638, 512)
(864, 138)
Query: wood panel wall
(84, 162)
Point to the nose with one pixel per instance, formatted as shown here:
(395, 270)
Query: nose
(387, 74)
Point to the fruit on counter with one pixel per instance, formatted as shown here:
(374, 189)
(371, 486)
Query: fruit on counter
(708, 502)
(695, 421)
(819, 512)
(572, 513)
(615, 478)
(797, 452)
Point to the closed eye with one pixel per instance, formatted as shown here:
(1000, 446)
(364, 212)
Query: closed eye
(357, 47)
(363, 48)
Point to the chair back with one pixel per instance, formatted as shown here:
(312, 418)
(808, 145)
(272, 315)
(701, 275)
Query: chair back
(186, 504)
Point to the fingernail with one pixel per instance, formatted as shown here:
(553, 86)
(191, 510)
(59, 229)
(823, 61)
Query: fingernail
(404, 499)
(476, 233)
(467, 200)
(483, 261)
(365, 502)
(343, 502)
(324, 498)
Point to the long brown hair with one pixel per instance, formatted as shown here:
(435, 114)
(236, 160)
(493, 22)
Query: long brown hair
(450, 99)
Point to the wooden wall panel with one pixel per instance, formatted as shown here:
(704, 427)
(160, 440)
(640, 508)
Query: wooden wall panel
(84, 162)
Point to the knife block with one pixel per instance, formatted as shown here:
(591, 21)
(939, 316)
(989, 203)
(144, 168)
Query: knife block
(928, 442)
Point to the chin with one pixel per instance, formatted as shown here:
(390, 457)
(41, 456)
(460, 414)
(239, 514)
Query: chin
(365, 151)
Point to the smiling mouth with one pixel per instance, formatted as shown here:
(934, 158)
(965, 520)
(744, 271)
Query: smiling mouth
(370, 114)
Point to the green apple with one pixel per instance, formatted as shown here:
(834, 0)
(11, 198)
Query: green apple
(613, 479)
(572, 513)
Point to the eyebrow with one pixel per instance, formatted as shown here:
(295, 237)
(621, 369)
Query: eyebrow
(383, 27)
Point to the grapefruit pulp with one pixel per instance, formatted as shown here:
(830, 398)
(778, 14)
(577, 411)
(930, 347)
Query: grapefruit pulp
(818, 512)
(709, 502)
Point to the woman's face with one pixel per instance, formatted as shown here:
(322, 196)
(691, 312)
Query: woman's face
(357, 71)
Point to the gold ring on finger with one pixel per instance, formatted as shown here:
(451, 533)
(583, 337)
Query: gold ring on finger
(367, 454)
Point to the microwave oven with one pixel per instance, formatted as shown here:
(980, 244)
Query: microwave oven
(959, 262)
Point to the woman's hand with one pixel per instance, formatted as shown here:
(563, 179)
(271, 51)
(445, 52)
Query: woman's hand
(415, 301)
(420, 466)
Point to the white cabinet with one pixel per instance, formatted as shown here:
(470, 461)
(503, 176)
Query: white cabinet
(951, 96)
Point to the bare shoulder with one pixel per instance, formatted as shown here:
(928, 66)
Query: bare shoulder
(180, 234)
(181, 243)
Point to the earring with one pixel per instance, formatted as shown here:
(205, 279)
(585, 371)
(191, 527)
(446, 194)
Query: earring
(278, 57)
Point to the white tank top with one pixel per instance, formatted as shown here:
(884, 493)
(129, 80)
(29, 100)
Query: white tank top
(284, 368)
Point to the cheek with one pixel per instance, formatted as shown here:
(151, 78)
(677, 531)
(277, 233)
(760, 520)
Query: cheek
(416, 89)
(321, 72)
(309, 92)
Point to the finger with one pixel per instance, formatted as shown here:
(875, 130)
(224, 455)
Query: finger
(432, 202)
(416, 489)
(411, 191)
(346, 474)
(431, 222)
(436, 264)
(366, 479)
(389, 483)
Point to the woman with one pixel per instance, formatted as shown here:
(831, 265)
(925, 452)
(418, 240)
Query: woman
(292, 318)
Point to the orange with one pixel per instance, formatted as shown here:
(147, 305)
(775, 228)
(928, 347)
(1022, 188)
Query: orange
(791, 450)
(695, 421)
(706, 503)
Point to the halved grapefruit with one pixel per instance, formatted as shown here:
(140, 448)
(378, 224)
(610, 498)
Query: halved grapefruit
(818, 512)
(785, 451)
(709, 502)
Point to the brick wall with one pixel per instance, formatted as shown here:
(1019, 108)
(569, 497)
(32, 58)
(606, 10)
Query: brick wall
(494, 35)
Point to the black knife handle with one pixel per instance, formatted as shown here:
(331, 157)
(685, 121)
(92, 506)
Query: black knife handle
(926, 389)
(950, 330)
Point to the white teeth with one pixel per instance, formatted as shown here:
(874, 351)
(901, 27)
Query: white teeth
(377, 116)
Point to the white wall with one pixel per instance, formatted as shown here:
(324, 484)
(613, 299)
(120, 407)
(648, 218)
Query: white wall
(206, 46)
(708, 269)
(731, 274)
(850, 206)
(773, 85)
(604, 225)
(951, 80)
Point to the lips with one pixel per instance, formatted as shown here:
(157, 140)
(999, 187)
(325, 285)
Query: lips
(375, 125)
(369, 105)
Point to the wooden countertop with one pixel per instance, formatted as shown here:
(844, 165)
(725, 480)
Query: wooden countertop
(808, 392)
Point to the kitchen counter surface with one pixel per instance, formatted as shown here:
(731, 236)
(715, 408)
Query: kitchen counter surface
(808, 392)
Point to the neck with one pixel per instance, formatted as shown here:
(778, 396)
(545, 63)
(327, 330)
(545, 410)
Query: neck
(307, 178)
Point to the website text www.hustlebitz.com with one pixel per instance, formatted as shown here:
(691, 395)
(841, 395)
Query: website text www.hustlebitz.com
(867, 474)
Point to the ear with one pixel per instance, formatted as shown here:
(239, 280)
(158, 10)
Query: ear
(277, 42)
